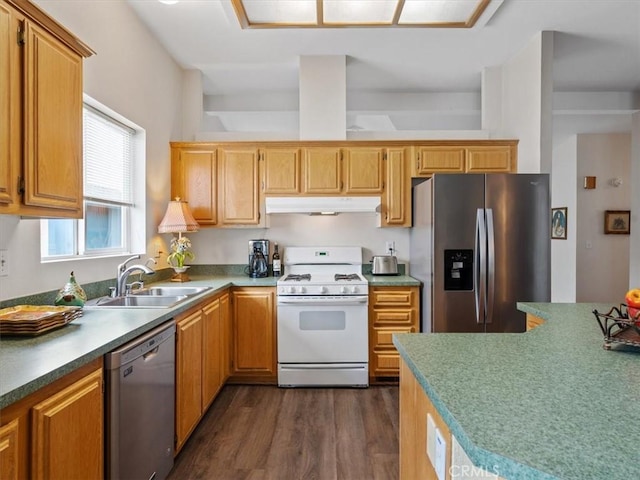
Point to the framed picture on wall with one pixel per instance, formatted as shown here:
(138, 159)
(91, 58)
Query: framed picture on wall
(617, 222)
(559, 223)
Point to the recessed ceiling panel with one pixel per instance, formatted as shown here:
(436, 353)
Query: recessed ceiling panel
(437, 11)
(280, 11)
(358, 13)
(353, 12)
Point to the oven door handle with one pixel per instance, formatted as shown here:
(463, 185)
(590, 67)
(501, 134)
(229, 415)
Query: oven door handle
(304, 302)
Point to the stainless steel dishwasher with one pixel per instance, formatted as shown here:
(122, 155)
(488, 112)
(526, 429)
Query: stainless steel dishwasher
(140, 406)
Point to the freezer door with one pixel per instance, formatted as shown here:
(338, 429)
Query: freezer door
(521, 266)
(456, 200)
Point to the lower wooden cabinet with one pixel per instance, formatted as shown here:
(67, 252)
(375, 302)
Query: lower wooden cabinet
(254, 334)
(58, 431)
(201, 362)
(391, 310)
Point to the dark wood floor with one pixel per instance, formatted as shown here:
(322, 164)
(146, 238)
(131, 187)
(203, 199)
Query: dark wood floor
(264, 432)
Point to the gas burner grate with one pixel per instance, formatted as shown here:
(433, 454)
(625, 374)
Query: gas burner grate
(298, 277)
(346, 276)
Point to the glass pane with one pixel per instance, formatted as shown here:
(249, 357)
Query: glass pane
(61, 237)
(103, 227)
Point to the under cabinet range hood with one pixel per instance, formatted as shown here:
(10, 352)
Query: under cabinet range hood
(322, 205)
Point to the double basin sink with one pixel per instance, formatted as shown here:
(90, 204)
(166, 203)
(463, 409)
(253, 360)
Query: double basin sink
(151, 297)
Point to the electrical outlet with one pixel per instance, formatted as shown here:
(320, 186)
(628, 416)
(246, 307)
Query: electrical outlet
(390, 247)
(4, 263)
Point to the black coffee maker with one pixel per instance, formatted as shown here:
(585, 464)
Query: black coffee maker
(258, 258)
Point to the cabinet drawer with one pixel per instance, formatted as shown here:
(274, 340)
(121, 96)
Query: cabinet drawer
(392, 298)
(384, 336)
(393, 317)
(387, 362)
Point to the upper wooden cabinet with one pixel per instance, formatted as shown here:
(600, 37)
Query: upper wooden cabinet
(491, 158)
(396, 199)
(363, 170)
(238, 193)
(281, 171)
(321, 171)
(194, 178)
(41, 105)
(487, 156)
(220, 183)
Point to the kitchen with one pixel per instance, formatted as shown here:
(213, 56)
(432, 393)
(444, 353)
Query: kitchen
(131, 96)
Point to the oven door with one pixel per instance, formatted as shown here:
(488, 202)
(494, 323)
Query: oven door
(323, 330)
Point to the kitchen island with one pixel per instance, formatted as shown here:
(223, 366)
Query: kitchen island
(549, 403)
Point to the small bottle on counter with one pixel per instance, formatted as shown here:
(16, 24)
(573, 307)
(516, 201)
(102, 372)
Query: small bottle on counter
(276, 262)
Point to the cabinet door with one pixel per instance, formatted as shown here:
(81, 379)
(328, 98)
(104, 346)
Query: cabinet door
(238, 197)
(188, 375)
(9, 451)
(396, 200)
(9, 108)
(434, 159)
(491, 159)
(53, 137)
(211, 352)
(67, 432)
(321, 171)
(254, 331)
(363, 170)
(281, 170)
(225, 319)
(194, 178)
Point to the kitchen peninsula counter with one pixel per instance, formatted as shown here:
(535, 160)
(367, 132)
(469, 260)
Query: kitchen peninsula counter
(549, 403)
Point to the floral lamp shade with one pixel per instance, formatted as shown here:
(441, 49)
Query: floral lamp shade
(178, 218)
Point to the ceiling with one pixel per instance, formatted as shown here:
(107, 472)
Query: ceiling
(596, 48)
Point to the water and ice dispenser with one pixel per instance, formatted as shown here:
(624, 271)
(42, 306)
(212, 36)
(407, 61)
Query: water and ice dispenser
(458, 269)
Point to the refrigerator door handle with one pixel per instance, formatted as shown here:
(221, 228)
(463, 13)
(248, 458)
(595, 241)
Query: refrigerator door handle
(491, 265)
(479, 269)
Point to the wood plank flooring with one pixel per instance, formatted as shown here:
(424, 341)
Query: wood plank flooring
(270, 433)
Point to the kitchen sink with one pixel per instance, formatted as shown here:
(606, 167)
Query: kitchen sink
(150, 297)
(169, 291)
(140, 301)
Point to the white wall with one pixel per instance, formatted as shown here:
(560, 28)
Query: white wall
(634, 179)
(229, 246)
(527, 84)
(133, 75)
(602, 271)
(563, 194)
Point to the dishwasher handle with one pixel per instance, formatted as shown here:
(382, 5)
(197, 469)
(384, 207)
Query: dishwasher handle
(141, 345)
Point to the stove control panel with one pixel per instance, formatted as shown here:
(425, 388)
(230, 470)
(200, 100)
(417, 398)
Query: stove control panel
(322, 289)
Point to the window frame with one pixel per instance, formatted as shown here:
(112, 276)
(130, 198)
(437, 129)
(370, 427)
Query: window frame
(133, 240)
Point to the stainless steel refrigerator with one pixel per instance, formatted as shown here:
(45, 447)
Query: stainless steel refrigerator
(480, 243)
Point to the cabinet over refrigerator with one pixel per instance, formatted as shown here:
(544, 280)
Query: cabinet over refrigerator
(480, 243)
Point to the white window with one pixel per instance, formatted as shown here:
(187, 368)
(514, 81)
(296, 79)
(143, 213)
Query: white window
(110, 144)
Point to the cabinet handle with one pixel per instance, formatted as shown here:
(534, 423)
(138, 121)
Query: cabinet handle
(20, 38)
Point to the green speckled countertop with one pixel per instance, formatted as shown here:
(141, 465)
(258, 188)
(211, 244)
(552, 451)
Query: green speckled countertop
(392, 281)
(29, 363)
(549, 403)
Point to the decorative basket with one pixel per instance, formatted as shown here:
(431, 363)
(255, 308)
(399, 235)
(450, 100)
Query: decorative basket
(618, 327)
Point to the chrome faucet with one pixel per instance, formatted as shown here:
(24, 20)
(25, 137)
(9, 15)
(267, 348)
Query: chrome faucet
(124, 272)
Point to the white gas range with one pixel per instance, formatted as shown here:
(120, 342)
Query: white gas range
(323, 318)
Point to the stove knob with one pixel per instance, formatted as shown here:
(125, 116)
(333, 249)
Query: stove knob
(343, 289)
(354, 289)
(302, 289)
(291, 290)
(323, 289)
